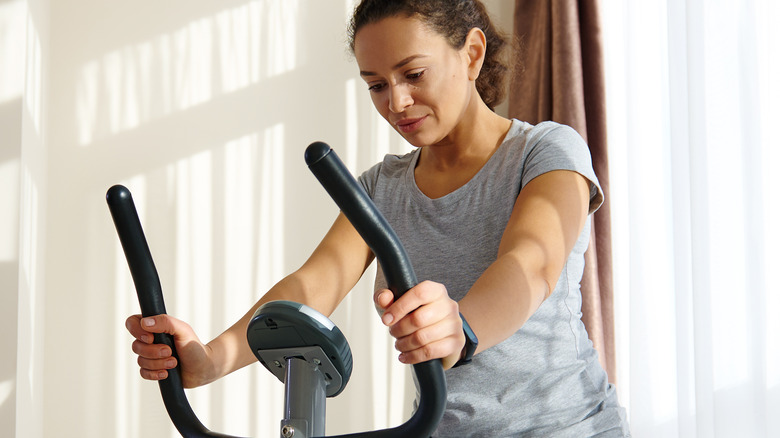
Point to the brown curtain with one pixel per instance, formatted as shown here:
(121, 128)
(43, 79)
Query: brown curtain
(561, 78)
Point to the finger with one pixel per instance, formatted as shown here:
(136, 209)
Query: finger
(162, 324)
(151, 351)
(424, 316)
(446, 328)
(154, 374)
(133, 325)
(424, 293)
(436, 312)
(157, 364)
(436, 350)
(382, 299)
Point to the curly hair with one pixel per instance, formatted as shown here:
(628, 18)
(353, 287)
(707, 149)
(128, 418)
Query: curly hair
(453, 19)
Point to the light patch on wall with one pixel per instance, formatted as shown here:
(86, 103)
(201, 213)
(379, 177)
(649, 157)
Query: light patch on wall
(31, 303)
(282, 36)
(271, 239)
(12, 21)
(351, 118)
(33, 74)
(380, 136)
(253, 227)
(190, 66)
(239, 36)
(238, 217)
(30, 204)
(6, 389)
(193, 297)
(194, 236)
(192, 47)
(86, 102)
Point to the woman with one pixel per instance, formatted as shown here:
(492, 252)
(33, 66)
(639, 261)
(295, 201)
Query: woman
(493, 213)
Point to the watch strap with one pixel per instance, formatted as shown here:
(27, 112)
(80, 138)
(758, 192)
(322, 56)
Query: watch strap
(471, 343)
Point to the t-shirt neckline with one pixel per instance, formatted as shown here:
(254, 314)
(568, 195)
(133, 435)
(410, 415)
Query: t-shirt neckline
(456, 194)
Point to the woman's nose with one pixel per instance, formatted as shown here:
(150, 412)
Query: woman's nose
(400, 98)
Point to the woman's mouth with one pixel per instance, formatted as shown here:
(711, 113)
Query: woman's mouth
(408, 125)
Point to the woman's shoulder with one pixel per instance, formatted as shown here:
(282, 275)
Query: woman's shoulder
(546, 131)
(392, 166)
(549, 146)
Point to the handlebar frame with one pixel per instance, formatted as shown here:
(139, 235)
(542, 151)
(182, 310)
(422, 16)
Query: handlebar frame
(372, 226)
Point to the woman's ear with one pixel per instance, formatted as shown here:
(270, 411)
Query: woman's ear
(475, 48)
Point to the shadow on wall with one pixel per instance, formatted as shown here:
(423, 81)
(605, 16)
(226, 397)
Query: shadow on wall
(9, 270)
(10, 138)
(203, 111)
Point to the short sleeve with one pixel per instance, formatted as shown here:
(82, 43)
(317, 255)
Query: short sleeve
(369, 178)
(552, 146)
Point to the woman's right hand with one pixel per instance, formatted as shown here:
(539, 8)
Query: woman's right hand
(195, 359)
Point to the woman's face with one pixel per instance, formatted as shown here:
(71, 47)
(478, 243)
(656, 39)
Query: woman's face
(417, 81)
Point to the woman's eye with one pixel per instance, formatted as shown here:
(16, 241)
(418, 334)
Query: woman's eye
(415, 76)
(375, 88)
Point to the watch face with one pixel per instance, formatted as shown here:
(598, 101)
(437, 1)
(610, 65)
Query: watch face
(470, 336)
(471, 343)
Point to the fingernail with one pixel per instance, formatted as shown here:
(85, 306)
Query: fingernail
(149, 322)
(402, 357)
(145, 338)
(161, 375)
(387, 318)
(170, 363)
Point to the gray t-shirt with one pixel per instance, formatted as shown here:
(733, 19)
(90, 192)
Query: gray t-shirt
(545, 380)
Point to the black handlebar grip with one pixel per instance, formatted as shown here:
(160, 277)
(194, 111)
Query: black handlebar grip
(150, 297)
(391, 255)
(364, 216)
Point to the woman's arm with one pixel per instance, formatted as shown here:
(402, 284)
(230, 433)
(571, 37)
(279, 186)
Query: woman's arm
(322, 282)
(548, 216)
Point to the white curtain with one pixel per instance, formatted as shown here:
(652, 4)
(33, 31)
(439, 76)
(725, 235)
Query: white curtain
(693, 107)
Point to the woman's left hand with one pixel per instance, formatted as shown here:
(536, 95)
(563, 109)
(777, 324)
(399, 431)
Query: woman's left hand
(425, 322)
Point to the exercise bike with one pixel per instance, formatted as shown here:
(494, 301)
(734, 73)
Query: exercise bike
(299, 345)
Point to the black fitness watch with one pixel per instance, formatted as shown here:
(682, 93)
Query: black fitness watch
(471, 344)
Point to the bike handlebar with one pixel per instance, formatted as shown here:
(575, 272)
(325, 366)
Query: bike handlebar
(367, 220)
(391, 255)
(150, 297)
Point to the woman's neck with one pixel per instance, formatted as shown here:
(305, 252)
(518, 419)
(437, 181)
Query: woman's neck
(444, 167)
(471, 143)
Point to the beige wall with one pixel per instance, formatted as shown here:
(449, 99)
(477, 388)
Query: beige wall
(502, 13)
(203, 109)
(12, 19)
(23, 78)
